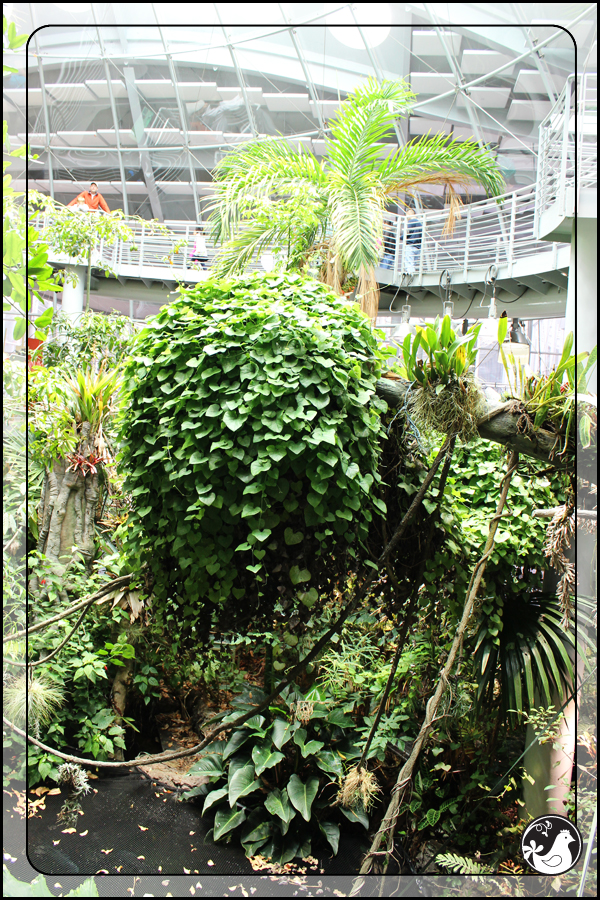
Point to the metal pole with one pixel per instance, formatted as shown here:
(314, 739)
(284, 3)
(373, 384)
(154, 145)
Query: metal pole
(239, 74)
(309, 82)
(182, 117)
(113, 107)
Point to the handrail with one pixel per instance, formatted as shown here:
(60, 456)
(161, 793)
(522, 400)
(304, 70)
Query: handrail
(555, 183)
(500, 229)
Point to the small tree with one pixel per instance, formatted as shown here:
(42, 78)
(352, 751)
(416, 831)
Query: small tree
(75, 234)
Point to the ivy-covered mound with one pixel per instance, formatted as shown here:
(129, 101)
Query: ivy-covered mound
(251, 435)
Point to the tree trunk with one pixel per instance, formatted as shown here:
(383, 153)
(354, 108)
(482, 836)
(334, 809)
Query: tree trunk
(68, 510)
(499, 424)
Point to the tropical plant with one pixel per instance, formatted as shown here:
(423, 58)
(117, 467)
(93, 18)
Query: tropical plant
(94, 339)
(445, 357)
(68, 417)
(552, 400)
(250, 432)
(270, 194)
(275, 778)
(522, 644)
(444, 397)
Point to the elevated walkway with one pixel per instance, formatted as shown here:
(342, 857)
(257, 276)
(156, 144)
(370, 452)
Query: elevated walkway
(522, 237)
(567, 175)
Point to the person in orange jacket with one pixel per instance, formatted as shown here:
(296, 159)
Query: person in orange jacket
(91, 198)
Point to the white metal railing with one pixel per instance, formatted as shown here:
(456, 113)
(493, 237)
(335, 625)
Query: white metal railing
(560, 148)
(498, 230)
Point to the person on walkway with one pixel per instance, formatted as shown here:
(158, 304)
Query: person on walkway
(389, 243)
(414, 238)
(92, 198)
(200, 252)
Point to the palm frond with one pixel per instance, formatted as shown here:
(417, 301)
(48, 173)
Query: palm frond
(356, 212)
(362, 122)
(258, 170)
(449, 160)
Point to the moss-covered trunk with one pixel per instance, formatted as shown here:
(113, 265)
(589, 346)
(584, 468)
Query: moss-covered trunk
(69, 509)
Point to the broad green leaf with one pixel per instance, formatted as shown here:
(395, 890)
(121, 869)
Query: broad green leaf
(226, 820)
(502, 329)
(332, 833)
(298, 575)
(302, 794)
(282, 732)
(329, 761)
(292, 537)
(213, 798)
(264, 757)
(357, 815)
(241, 783)
(237, 739)
(210, 765)
(278, 804)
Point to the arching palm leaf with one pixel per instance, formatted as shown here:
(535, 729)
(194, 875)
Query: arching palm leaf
(345, 194)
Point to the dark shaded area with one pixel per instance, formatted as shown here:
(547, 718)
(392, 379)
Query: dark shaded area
(172, 843)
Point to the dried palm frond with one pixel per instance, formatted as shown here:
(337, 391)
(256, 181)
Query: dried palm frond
(367, 292)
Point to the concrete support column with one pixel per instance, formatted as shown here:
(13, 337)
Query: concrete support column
(584, 264)
(73, 294)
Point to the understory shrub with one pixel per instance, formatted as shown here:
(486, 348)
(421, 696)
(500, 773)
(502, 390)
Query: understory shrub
(274, 780)
(250, 432)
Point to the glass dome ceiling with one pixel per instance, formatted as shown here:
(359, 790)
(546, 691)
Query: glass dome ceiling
(145, 98)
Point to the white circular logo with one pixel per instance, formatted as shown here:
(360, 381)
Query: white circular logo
(551, 845)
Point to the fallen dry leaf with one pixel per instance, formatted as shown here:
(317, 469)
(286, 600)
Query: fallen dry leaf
(39, 791)
(82, 833)
(107, 851)
(192, 832)
(54, 792)
(101, 872)
(69, 830)
(141, 827)
(187, 871)
(141, 857)
(210, 863)
(56, 842)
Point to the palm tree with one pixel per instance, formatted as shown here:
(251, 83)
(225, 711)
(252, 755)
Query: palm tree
(271, 195)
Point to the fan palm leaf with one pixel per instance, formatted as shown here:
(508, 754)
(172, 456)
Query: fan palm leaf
(531, 654)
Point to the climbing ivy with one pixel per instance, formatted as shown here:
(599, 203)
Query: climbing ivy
(250, 432)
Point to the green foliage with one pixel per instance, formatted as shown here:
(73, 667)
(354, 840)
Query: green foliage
(520, 640)
(250, 431)
(551, 400)
(270, 194)
(12, 887)
(461, 864)
(522, 643)
(25, 257)
(447, 356)
(93, 340)
(269, 780)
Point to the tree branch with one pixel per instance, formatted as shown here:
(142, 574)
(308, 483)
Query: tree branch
(497, 423)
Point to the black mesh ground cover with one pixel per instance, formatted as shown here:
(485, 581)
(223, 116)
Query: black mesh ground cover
(131, 826)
